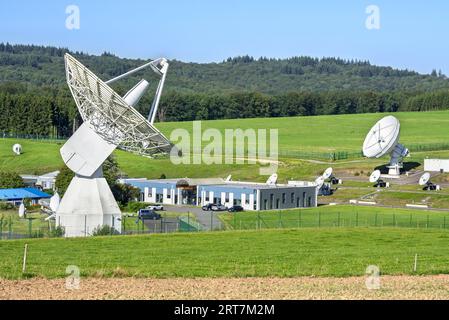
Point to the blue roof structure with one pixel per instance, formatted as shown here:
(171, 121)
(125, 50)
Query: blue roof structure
(22, 193)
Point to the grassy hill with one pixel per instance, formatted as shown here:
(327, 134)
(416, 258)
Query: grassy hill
(310, 134)
(285, 253)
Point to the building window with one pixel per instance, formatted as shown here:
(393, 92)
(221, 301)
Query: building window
(207, 198)
(277, 203)
(292, 197)
(265, 204)
(246, 198)
(283, 198)
(309, 202)
(271, 201)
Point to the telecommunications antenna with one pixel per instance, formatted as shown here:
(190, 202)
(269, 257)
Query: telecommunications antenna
(382, 139)
(319, 182)
(272, 179)
(17, 149)
(109, 122)
(22, 210)
(327, 173)
(375, 176)
(424, 180)
(54, 202)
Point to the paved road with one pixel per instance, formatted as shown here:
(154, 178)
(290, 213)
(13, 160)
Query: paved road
(209, 220)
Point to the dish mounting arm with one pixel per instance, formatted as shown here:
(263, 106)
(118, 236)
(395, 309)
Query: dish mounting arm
(160, 67)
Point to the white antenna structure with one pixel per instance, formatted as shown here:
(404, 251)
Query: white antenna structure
(424, 181)
(375, 178)
(382, 139)
(109, 122)
(17, 149)
(272, 180)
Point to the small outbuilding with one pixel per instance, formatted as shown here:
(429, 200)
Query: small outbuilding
(16, 196)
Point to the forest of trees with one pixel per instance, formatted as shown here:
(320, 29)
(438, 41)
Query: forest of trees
(34, 98)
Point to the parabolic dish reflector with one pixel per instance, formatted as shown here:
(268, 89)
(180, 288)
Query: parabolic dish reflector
(382, 138)
(110, 116)
(424, 179)
(375, 176)
(327, 173)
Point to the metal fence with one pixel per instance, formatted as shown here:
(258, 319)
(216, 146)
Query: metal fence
(313, 219)
(9, 135)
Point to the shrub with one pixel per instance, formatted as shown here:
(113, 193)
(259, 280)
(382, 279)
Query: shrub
(104, 230)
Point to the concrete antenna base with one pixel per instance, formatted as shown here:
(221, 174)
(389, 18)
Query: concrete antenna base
(87, 204)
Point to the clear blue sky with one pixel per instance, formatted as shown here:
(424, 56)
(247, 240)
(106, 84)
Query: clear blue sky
(413, 34)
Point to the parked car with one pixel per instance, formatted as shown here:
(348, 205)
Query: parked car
(148, 214)
(207, 207)
(235, 209)
(156, 207)
(218, 207)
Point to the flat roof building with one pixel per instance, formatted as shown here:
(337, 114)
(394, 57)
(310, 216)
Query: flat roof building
(16, 196)
(249, 195)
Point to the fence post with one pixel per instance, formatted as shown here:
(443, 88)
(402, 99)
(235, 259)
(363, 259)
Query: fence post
(356, 218)
(427, 226)
(444, 222)
(410, 224)
(375, 220)
(394, 220)
(258, 220)
(235, 221)
(338, 218)
(279, 224)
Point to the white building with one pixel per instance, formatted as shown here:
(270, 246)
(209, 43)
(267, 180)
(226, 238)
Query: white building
(436, 165)
(45, 182)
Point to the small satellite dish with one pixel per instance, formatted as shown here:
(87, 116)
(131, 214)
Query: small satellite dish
(382, 139)
(319, 182)
(375, 176)
(272, 179)
(327, 173)
(54, 202)
(17, 149)
(22, 210)
(425, 178)
(229, 178)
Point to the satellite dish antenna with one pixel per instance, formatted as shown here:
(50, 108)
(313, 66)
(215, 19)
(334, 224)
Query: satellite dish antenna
(426, 183)
(375, 176)
(22, 210)
(109, 122)
(327, 173)
(54, 202)
(382, 139)
(17, 149)
(319, 182)
(425, 178)
(229, 178)
(272, 179)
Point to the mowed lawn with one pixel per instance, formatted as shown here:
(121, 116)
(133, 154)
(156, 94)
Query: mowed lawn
(309, 134)
(284, 253)
(338, 216)
(333, 132)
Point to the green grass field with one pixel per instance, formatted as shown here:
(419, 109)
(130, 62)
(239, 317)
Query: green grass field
(338, 216)
(320, 133)
(285, 253)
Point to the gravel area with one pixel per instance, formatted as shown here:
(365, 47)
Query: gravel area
(391, 287)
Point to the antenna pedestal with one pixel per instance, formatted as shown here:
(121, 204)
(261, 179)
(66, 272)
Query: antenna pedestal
(87, 204)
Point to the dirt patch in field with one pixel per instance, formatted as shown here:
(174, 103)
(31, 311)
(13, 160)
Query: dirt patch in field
(391, 287)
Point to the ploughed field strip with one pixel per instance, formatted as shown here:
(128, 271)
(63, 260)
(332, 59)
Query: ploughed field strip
(391, 287)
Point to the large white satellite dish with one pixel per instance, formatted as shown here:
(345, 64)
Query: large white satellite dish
(382, 139)
(17, 149)
(327, 173)
(272, 179)
(110, 122)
